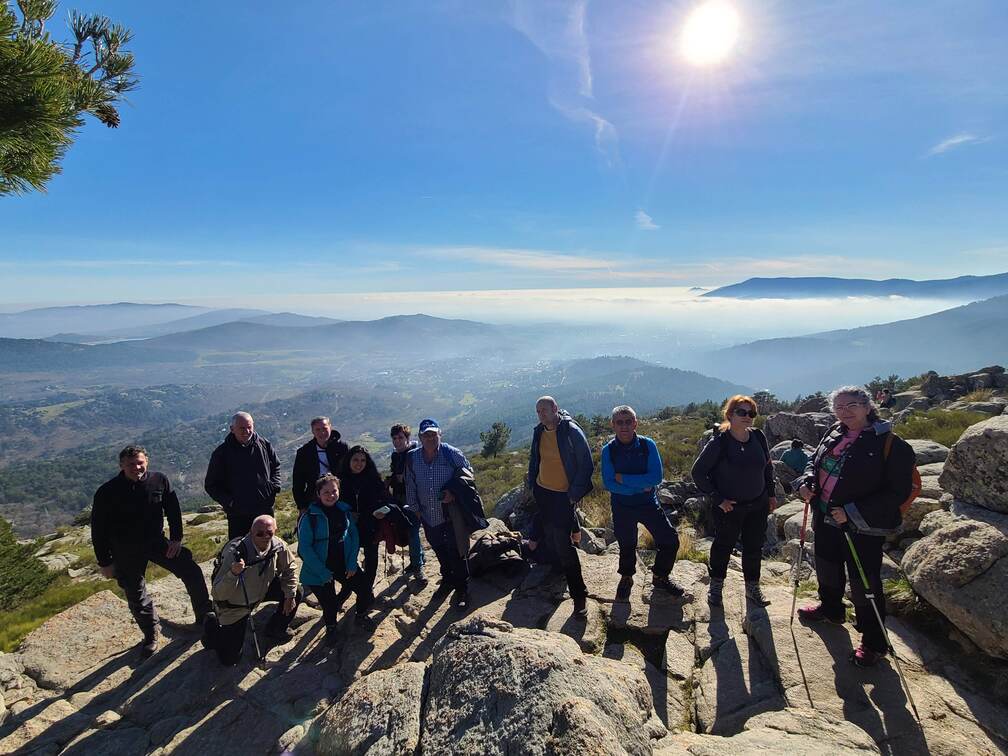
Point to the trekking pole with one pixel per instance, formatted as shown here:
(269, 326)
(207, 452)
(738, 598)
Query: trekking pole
(799, 558)
(885, 633)
(255, 638)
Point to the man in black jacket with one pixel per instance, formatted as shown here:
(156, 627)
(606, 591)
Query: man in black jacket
(321, 455)
(243, 475)
(127, 521)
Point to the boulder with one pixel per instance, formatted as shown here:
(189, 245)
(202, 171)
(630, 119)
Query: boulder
(961, 569)
(904, 399)
(784, 474)
(808, 427)
(979, 381)
(591, 542)
(932, 468)
(497, 689)
(379, 714)
(785, 512)
(934, 385)
(928, 451)
(516, 508)
(920, 507)
(932, 521)
(815, 403)
(975, 469)
(793, 525)
(787, 732)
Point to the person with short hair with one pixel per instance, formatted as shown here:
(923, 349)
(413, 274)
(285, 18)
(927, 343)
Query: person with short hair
(859, 476)
(795, 457)
(429, 469)
(258, 567)
(735, 469)
(328, 546)
(243, 475)
(322, 454)
(127, 532)
(631, 471)
(401, 446)
(559, 475)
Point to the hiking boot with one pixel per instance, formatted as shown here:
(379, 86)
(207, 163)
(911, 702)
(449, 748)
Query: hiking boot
(211, 625)
(581, 607)
(754, 594)
(461, 599)
(623, 588)
(419, 580)
(443, 590)
(148, 646)
(668, 585)
(364, 622)
(715, 592)
(817, 614)
(331, 636)
(865, 657)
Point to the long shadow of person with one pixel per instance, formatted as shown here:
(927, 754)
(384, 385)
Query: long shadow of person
(883, 712)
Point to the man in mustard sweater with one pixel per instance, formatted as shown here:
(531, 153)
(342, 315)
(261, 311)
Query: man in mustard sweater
(560, 472)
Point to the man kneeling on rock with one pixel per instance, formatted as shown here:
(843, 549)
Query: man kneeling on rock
(257, 567)
(127, 532)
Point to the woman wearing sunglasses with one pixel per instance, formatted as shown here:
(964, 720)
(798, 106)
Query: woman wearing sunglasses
(734, 469)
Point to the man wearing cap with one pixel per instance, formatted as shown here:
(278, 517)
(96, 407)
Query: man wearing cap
(428, 468)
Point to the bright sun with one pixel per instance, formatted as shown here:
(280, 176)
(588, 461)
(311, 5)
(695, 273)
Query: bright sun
(710, 33)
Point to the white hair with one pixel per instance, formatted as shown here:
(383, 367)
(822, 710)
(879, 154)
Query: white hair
(241, 416)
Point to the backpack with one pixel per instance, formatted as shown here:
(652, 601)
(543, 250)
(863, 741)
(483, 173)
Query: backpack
(219, 559)
(916, 484)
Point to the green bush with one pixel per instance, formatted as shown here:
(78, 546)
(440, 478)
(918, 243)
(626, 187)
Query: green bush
(942, 426)
(22, 575)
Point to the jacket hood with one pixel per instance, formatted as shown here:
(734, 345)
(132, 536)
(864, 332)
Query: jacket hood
(234, 441)
(563, 416)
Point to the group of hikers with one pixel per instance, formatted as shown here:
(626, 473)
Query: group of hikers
(854, 484)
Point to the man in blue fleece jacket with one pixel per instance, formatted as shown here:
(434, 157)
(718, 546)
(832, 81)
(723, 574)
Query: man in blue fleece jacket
(631, 471)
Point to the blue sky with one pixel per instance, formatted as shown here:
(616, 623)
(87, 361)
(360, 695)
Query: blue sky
(317, 148)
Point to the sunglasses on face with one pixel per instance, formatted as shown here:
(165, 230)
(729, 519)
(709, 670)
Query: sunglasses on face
(263, 534)
(739, 412)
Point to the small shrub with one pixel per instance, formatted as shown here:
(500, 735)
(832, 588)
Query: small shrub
(942, 426)
(979, 395)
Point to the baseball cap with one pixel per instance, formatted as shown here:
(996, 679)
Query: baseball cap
(427, 425)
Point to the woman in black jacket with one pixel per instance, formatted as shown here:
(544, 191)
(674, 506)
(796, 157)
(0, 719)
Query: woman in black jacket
(362, 488)
(854, 484)
(734, 469)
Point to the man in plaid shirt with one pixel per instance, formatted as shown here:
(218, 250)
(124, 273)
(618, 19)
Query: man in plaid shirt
(428, 468)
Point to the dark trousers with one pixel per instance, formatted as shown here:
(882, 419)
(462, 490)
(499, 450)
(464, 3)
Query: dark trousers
(130, 566)
(240, 522)
(331, 602)
(651, 516)
(554, 534)
(748, 520)
(454, 569)
(831, 555)
(229, 640)
(370, 566)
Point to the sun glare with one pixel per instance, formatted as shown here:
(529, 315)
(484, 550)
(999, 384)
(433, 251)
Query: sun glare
(710, 33)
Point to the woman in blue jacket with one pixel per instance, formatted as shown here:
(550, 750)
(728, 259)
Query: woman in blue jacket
(328, 544)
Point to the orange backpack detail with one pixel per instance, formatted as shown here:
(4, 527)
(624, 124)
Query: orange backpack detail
(916, 485)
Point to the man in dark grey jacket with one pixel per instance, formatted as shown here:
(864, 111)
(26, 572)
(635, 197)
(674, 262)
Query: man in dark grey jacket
(243, 475)
(559, 474)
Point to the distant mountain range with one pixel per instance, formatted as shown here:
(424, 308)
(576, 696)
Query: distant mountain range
(948, 341)
(963, 288)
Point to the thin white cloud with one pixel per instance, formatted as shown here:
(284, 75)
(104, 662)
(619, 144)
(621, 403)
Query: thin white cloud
(958, 140)
(522, 259)
(558, 30)
(645, 222)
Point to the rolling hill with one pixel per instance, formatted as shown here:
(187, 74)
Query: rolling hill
(963, 288)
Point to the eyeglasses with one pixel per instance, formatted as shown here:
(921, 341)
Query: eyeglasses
(849, 407)
(746, 413)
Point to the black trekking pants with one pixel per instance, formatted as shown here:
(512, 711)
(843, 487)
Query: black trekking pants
(240, 522)
(832, 554)
(331, 602)
(454, 569)
(131, 564)
(653, 518)
(748, 520)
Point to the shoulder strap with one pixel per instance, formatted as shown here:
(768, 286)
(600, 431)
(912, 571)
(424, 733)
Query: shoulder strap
(888, 445)
(763, 442)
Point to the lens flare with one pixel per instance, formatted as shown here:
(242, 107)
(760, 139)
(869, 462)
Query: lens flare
(710, 33)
